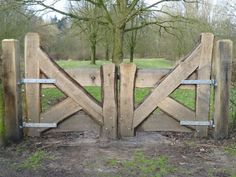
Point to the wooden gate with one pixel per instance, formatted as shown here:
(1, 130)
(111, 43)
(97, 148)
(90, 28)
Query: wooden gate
(116, 115)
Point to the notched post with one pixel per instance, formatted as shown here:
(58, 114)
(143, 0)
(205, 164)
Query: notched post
(109, 94)
(126, 103)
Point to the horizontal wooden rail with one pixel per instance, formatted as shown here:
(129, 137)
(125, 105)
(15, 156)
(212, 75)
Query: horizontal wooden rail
(145, 77)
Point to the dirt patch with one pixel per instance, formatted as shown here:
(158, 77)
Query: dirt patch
(84, 154)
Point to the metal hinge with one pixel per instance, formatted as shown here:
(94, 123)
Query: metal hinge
(38, 125)
(197, 123)
(199, 82)
(37, 81)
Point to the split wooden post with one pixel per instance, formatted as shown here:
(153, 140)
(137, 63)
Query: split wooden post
(32, 91)
(203, 91)
(109, 97)
(12, 90)
(223, 64)
(127, 82)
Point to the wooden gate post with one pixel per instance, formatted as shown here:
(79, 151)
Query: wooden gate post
(12, 90)
(223, 64)
(32, 91)
(204, 91)
(109, 96)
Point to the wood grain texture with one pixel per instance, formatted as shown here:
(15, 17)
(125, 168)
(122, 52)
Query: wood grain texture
(78, 122)
(176, 110)
(223, 68)
(161, 122)
(167, 86)
(70, 87)
(32, 91)
(59, 112)
(12, 90)
(203, 91)
(126, 102)
(109, 97)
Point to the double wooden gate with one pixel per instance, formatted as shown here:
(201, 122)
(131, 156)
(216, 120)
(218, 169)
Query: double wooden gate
(116, 115)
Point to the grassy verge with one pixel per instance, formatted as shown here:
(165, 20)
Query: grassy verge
(34, 161)
(141, 165)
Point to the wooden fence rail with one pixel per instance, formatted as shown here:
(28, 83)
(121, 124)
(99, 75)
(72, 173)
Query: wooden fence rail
(116, 115)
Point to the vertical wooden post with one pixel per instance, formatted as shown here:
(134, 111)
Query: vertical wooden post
(203, 91)
(126, 116)
(32, 91)
(109, 80)
(12, 90)
(223, 64)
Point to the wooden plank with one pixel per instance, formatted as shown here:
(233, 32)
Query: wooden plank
(168, 85)
(126, 103)
(145, 77)
(161, 122)
(109, 97)
(32, 91)
(176, 110)
(70, 87)
(59, 112)
(12, 90)
(78, 122)
(203, 91)
(149, 77)
(86, 76)
(223, 65)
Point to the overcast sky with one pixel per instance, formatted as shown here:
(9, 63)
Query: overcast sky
(62, 4)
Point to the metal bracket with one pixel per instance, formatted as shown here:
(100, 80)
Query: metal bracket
(38, 125)
(199, 82)
(37, 81)
(197, 123)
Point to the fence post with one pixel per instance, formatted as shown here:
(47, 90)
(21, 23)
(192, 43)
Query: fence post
(223, 64)
(12, 90)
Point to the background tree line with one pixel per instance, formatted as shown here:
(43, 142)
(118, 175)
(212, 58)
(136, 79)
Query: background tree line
(100, 29)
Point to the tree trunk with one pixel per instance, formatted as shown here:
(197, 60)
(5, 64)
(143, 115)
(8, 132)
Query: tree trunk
(93, 54)
(118, 39)
(131, 54)
(107, 53)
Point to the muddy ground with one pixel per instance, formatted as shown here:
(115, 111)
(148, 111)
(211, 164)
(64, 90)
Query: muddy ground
(147, 154)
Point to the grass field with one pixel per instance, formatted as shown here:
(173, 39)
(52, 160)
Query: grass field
(141, 63)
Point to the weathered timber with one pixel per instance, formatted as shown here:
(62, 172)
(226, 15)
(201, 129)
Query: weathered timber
(70, 87)
(11, 90)
(223, 65)
(78, 122)
(159, 121)
(176, 110)
(203, 91)
(109, 100)
(126, 102)
(168, 85)
(32, 91)
(59, 112)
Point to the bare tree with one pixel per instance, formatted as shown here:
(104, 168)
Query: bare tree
(117, 14)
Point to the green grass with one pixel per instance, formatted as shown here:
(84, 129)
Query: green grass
(141, 63)
(142, 165)
(34, 161)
